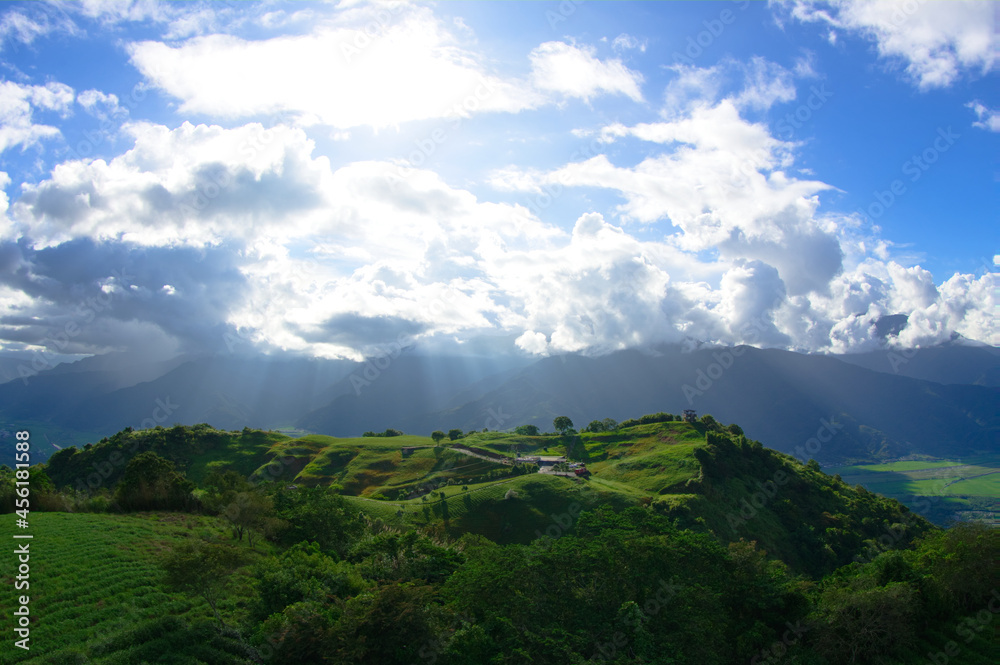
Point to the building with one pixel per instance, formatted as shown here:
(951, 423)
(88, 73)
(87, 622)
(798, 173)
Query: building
(690, 415)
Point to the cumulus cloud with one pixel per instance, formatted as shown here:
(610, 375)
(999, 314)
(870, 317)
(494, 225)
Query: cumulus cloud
(936, 41)
(575, 71)
(89, 297)
(784, 275)
(290, 253)
(377, 66)
(368, 66)
(18, 103)
(625, 42)
(987, 118)
(200, 234)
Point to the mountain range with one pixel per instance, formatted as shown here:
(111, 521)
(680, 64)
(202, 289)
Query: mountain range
(939, 401)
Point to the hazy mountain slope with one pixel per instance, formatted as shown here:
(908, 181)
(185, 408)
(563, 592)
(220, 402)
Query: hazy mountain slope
(955, 362)
(400, 394)
(777, 396)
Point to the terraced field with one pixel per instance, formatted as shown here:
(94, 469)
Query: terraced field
(507, 511)
(96, 592)
(371, 466)
(626, 468)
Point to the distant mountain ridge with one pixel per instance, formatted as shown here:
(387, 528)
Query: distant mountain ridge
(936, 401)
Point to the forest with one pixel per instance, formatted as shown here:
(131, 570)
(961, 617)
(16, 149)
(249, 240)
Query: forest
(750, 557)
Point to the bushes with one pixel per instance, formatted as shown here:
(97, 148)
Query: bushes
(388, 433)
(151, 483)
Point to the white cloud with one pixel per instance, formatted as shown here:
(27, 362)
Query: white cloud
(575, 71)
(24, 28)
(120, 11)
(17, 105)
(308, 252)
(514, 179)
(344, 73)
(937, 41)
(194, 185)
(784, 275)
(625, 42)
(987, 118)
(104, 107)
(755, 84)
(766, 83)
(718, 236)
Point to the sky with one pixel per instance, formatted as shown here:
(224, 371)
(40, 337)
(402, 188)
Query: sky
(332, 179)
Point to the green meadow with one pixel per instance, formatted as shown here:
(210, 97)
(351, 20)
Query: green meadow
(97, 594)
(966, 488)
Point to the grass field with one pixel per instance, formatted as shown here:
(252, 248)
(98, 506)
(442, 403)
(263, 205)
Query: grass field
(967, 488)
(506, 511)
(96, 595)
(626, 466)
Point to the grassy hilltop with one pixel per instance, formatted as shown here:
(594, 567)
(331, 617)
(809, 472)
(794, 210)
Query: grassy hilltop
(697, 473)
(407, 549)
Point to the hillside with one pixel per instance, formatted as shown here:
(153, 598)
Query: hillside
(703, 476)
(98, 594)
(387, 549)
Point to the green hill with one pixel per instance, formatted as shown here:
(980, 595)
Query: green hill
(697, 473)
(396, 549)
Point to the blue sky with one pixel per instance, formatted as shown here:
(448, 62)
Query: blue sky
(325, 178)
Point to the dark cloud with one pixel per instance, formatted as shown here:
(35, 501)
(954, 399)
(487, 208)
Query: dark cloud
(358, 331)
(90, 297)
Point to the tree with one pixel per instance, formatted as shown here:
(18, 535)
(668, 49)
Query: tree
(610, 424)
(249, 512)
(595, 426)
(202, 569)
(390, 624)
(151, 483)
(562, 424)
(437, 435)
(526, 430)
(454, 434)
